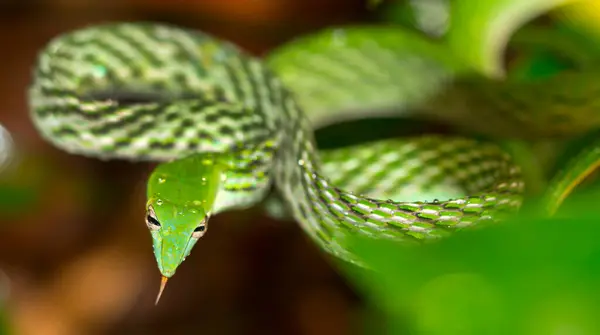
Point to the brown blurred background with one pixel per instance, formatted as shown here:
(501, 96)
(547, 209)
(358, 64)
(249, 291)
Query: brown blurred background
(73, 242)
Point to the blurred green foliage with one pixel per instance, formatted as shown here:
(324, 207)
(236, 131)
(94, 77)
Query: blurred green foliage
(4, 329)
(19, 177)
(374, 3)
(531, 275)
(22, 183)
(526, 276)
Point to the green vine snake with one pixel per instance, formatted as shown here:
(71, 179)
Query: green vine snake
(226, 127)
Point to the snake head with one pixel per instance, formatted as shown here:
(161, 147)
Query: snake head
(175, 229)
(180, 197)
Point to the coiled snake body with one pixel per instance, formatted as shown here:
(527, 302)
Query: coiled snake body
(225, 128)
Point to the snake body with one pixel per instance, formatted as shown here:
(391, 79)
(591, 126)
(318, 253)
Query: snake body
(154, 92)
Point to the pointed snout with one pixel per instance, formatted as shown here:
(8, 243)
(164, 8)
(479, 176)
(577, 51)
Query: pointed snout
(172, 251)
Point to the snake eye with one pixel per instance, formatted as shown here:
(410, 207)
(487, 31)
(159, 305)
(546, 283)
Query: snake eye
(200, 230)
(151, 220)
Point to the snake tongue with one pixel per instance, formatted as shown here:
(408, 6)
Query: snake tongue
(163, 283)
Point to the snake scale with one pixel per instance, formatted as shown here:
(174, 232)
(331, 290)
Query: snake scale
(225, 128)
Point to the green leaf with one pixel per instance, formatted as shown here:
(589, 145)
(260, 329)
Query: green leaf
(480, 30)
(526, 276)
(549, 50)
(579, 161)
(582, 16)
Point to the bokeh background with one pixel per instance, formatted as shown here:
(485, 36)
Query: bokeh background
(75, 255)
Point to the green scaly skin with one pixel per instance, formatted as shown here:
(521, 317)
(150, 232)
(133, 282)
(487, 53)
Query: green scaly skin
(150, 92)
